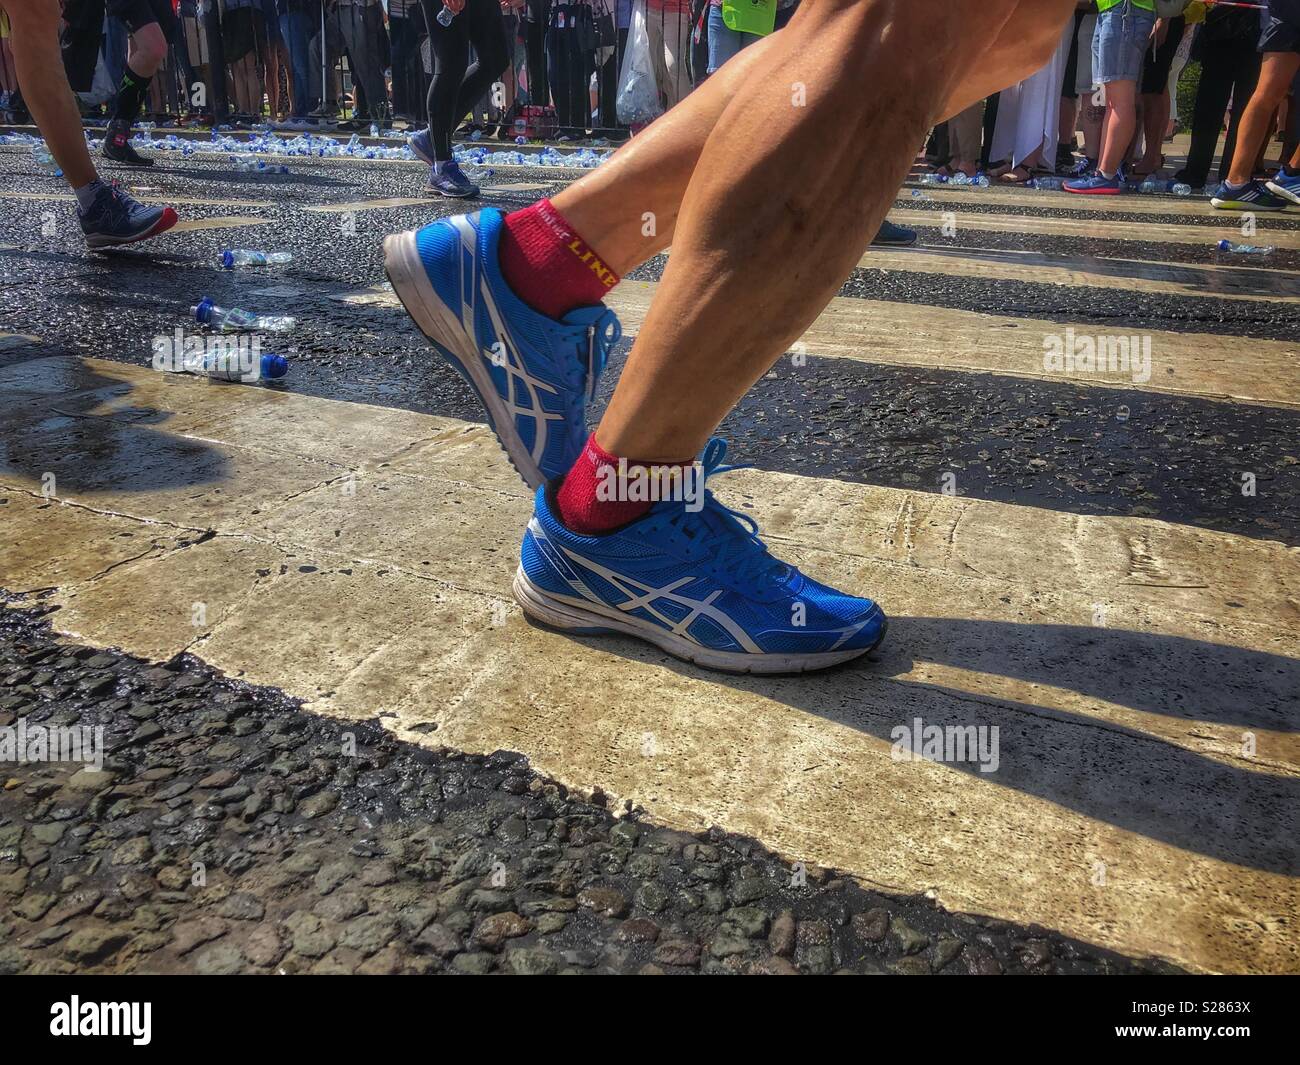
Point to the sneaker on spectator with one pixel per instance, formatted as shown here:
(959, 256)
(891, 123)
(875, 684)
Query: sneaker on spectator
(893, 236)
(1252, 196)
(447, 179)
(1096, 184)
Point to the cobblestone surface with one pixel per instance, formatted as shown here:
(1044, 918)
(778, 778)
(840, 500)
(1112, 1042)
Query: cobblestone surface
(231, 831)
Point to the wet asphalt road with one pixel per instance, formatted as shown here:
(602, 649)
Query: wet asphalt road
(1035, 442)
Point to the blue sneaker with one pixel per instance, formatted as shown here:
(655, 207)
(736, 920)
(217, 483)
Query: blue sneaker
(421, 145)
(533, 374)
(1096, 184)
(894, 236)
(447, 179)
(1252, 196)
(115, 218)
(1288, 188)
(697, 583)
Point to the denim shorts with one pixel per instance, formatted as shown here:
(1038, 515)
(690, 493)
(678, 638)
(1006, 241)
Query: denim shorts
(1120, 43)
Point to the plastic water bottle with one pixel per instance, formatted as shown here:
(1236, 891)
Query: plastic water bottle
(959, 178)
(917, 194)
(1244, 249)
(230, 366)
(232, 257)
(980, 181)
(235, 320)
(1180, 189)
(45, 160)
(1153, 185)
(374, 129)
(1048, 184)
(446, 15)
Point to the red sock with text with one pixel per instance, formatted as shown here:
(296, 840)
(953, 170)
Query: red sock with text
(548, 264)
(595, 496)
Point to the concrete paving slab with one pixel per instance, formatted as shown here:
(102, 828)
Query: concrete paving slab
(1125, 808)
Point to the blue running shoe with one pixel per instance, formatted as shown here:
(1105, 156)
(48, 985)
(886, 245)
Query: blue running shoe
(1251, 196)
(1096, 184)
(697, 583)
(1288, 188)
(447, 179)
(115, 218)
(421, 145)
(894, 236)
(533, 374)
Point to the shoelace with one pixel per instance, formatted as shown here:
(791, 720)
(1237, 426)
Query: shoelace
(592, 346)
(730, 535)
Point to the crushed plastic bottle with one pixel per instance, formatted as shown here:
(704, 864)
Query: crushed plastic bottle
(981, 181)
(45, 160)
(234, 320)
(917, 194)
(1180, 189)
(374, 129)
(233, 257)
(1048, 184)
(1153, 185)
(445, 15)
(231, 366)
(1244, 249)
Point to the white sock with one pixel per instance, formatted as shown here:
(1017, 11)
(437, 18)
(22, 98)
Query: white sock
(87, 193)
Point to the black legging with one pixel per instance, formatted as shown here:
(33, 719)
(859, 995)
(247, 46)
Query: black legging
(456, 84)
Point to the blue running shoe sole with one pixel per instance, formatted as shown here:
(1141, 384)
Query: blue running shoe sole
(443, 327)
(1282, 191)
(413, 143)
(591, 619)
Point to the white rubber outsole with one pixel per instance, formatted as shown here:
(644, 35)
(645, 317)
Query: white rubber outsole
(1278, 190)
(587, 619)
(437, 322)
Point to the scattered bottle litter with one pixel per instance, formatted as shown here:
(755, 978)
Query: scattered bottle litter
(45, 160)
(1244, 249)
(235, 320)
(233, 257)
(251, 164)
(231, 366)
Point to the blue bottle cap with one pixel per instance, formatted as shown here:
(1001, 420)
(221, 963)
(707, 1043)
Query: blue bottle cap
(203, 310)
(228, 260)
(1224, 245)
(274, 366)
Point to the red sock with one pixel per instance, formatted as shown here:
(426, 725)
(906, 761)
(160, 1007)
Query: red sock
(548, 265)
(582, 508)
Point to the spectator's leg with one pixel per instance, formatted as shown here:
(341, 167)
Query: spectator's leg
(450, 59)
(487, 33)
(539, 16)
(1276, 73)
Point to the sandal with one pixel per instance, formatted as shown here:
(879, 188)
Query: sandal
(1012, 176)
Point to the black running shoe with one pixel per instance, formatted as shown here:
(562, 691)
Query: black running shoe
(117, 146)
